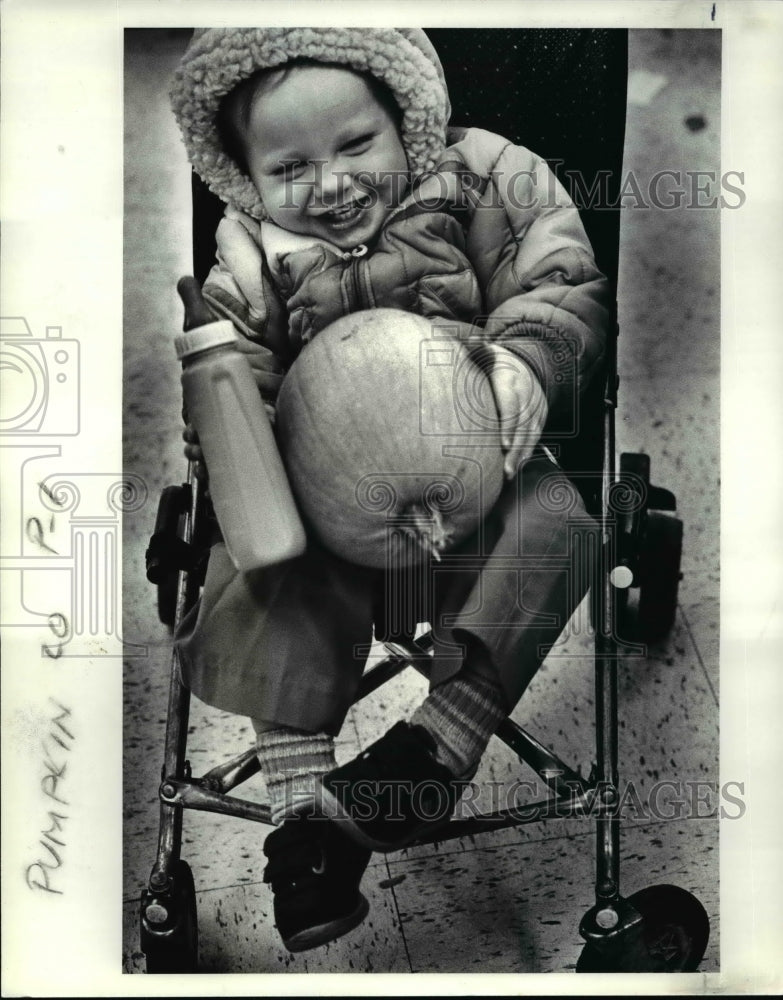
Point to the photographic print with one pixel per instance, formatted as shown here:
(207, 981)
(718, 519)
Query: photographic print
(645, 171)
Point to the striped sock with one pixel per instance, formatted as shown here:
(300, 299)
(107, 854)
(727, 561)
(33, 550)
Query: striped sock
(292, 761)
(461, 714)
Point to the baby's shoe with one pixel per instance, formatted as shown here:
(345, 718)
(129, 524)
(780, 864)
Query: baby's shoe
(393, 792)
(315, 872)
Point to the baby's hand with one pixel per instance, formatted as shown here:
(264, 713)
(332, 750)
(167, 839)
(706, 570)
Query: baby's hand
(266, 368)
(268, 373)
(193, 452)
(522, 407)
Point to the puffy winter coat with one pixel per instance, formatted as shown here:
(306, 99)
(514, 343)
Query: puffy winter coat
(490, 239)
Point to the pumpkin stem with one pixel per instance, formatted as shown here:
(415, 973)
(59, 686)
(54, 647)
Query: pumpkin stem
(427, 530)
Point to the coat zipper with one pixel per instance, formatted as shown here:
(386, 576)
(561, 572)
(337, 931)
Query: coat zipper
(354, 261)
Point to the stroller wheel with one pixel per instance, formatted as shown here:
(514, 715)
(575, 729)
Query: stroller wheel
(169, 925)
(673, 938)
(659, 576)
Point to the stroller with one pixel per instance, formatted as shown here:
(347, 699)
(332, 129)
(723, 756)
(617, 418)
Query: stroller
(662, 928)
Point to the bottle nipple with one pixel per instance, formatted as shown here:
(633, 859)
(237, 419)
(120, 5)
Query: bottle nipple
(196, 310)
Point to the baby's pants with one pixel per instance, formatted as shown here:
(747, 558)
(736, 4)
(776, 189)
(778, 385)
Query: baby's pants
(288, 643)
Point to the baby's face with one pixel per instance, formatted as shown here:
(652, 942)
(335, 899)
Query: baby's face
(325, 155)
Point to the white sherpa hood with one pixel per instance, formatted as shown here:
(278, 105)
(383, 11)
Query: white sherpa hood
(218, 59)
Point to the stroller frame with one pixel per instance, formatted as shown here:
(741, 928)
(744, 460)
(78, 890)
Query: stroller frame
(662, 928)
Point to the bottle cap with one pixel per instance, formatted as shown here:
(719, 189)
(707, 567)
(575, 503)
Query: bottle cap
(215, 334)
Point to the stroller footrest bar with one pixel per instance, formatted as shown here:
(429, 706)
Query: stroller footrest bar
(403, 653)
(528, 812)
(189, 795)
(558, 775)
(233, 772)
(377, 676)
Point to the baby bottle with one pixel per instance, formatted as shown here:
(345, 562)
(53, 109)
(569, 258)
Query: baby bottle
(247, 482)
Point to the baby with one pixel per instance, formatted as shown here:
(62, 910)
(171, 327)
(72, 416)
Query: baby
(346, 192)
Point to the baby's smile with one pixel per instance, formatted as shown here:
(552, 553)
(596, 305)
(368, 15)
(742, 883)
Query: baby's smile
(346, 216)
(325, 155)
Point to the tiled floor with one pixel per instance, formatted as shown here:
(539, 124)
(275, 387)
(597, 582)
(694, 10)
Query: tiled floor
(508, 901)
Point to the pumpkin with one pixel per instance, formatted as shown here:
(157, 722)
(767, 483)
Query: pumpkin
(389, 433)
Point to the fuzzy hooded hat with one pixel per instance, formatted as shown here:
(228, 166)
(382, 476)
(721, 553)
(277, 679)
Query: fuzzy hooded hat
(218, 59)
